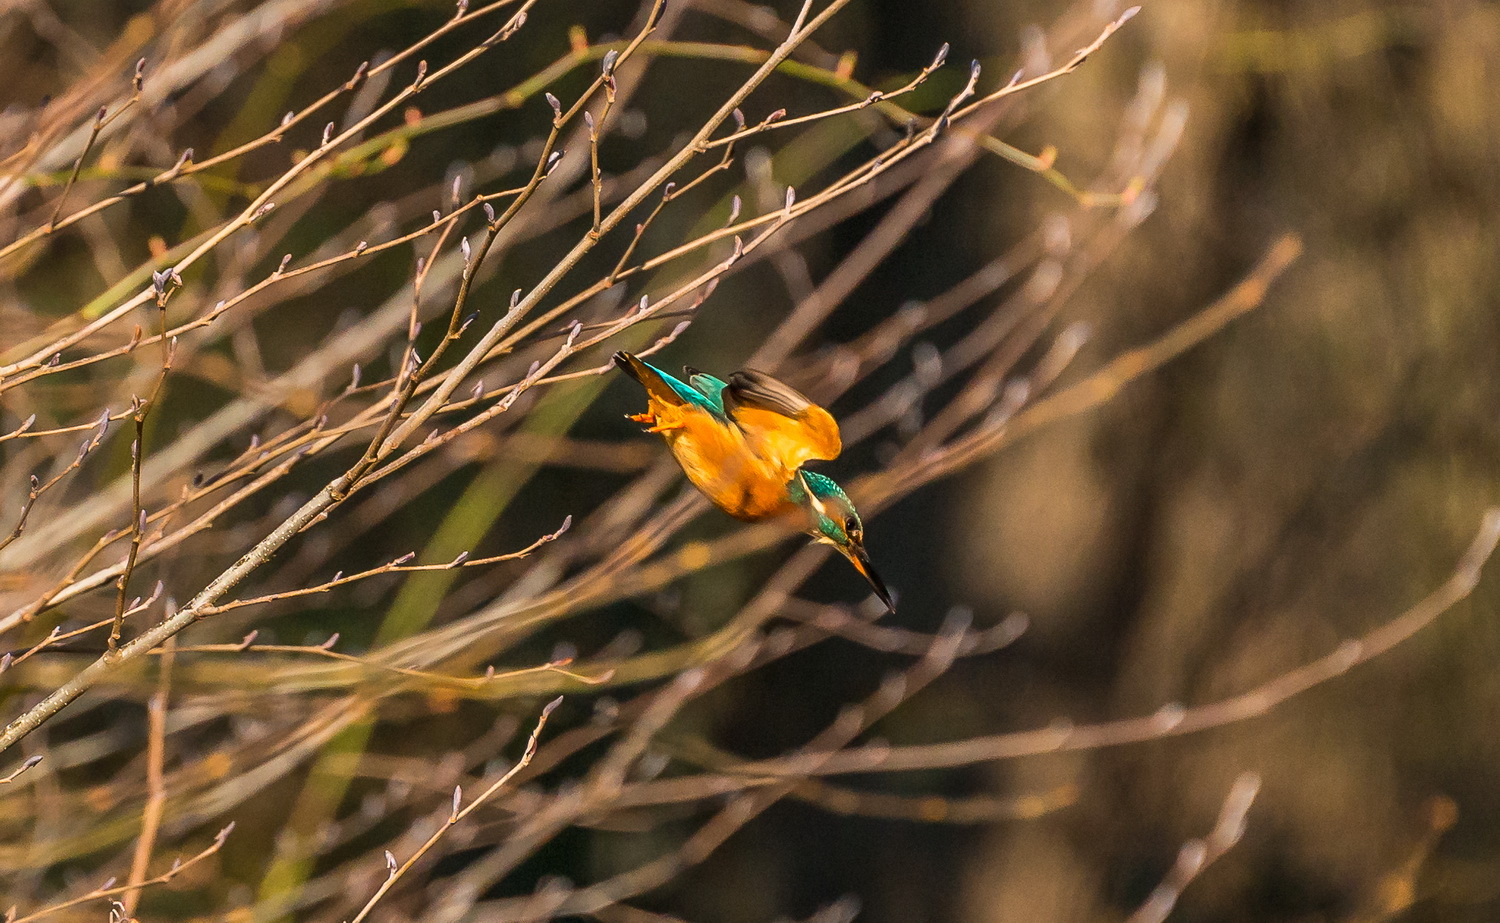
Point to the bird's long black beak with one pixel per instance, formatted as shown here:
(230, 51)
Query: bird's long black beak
(861, 561)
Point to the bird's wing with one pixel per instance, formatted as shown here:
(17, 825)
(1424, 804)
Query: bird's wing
(707, 385)
(782, 426)
(663, 387)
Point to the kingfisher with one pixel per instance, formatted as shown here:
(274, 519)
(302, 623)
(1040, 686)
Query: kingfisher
(744, 442)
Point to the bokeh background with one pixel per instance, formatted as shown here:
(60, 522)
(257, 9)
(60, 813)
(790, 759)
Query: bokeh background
(1304, 476)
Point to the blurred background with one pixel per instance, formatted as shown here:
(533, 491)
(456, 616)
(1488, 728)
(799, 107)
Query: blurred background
(1299, 479)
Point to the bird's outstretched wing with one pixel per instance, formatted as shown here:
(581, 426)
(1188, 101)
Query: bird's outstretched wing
(781, 424)
(707, 385)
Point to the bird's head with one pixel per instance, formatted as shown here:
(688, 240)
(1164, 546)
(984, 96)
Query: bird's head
(833, 520)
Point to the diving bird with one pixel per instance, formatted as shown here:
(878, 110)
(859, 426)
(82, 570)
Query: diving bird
(743, 443)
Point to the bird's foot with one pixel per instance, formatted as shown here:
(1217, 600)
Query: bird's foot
(655, 424)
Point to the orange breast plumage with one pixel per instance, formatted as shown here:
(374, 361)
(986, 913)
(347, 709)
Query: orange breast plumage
(719, 462)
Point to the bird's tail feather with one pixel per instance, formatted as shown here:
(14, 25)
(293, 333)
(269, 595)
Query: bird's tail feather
(650, 379)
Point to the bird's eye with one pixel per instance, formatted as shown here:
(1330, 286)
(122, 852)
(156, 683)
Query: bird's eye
(851, 529)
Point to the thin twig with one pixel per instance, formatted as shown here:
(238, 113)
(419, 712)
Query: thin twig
(458, 812)
(156, 792)
(1197, 855)
(110, 890)
(1172, 720)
